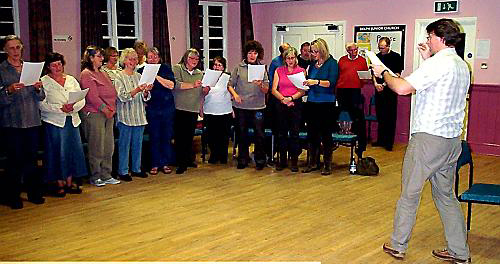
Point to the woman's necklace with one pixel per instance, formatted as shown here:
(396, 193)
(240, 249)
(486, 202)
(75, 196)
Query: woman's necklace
(318, 64)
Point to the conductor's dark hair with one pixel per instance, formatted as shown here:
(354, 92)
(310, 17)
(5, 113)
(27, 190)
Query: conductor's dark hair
(446, 28)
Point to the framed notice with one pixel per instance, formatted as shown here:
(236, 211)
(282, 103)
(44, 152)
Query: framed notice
(367, 37)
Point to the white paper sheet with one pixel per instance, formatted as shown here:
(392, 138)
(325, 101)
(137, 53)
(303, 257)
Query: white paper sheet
(376, 61)
(222, 82)
(298, 80)
(364, 75)
(31, 72)
(77, 96)
(149, 73)
(210, 78)
(256, 72)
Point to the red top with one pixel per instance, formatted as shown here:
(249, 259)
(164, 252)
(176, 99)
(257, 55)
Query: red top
(285, 86)
(348, 72)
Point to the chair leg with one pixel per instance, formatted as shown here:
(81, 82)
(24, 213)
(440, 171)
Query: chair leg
(469, 211)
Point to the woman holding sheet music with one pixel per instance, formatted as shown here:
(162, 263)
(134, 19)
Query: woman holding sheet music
(323, 73)
(289, 110)
(188, 96)
(130, 115)
(217, 114)
(64, 158)
(249, 104)
(20, 123)
(160, 114)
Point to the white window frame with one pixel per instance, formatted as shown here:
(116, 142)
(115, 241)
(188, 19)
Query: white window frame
(15, 16)
(113, 27)
(205, 36)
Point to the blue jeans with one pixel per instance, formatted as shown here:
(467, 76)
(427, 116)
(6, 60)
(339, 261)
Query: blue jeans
(129, 142)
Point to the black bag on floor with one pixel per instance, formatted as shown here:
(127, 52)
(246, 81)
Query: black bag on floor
(367, 167)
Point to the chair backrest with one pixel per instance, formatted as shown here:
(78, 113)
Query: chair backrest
(464, 158)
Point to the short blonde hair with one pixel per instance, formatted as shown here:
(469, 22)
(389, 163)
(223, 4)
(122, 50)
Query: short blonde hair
(189, 52)
(291, 51)
(322, 47)
(125, 53)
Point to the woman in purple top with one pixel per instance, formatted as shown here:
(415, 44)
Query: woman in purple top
(289, 110)
(97, 116)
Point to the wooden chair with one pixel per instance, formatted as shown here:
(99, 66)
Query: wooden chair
(481, 193)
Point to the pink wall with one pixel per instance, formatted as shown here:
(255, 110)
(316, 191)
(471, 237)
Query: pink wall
(360, 13)
(367, 12)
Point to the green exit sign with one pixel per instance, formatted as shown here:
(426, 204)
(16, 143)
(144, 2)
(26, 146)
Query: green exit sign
(446, 6)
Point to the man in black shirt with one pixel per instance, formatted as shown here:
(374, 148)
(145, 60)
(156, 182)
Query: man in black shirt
(305, 55)
(386, 100)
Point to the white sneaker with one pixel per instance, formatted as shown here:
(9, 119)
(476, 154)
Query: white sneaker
(111, 181)
(98, 183)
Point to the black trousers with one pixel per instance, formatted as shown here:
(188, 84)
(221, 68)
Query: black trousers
(321, 123)
(250, 119)
(289, 121)
(386, 105)
(218, 129)
(350, 100)
(22, 145)
(184, 125)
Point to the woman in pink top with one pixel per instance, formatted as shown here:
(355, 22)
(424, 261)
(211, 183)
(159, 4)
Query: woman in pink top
(289, 109)
(97, 116)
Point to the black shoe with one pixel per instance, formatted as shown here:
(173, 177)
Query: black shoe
(139, 174)
(388, 148)
(193, 165)
(180, 170)
(212, 160)
(241, 166)
(16, 204)
(279, 167)
(74, 189)
(37, 199)
(223, 161)
(309, 169)
(377, 144)
(260, 166)
(125, 177)
(294, 168)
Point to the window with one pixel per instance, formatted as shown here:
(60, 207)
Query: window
(120, 22)
(9, 21)
(213, 24)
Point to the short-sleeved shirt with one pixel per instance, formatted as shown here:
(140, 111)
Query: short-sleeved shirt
(441, 83)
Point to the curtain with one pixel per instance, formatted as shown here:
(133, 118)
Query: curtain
(40, 29)
(194, 26)
(91, 23)
(246, 23)
(161, 38)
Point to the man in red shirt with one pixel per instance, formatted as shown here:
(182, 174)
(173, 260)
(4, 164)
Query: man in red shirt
(349, 92)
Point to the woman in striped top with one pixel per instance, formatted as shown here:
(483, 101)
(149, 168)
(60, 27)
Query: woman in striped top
(131, 115)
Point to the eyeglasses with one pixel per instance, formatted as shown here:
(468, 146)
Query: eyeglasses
(314, 51)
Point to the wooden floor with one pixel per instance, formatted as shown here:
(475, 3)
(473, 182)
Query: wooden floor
(218, 213)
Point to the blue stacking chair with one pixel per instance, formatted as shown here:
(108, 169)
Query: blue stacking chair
(480, 193)
(370, 117)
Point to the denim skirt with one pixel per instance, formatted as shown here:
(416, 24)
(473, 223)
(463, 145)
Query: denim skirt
(63, 152)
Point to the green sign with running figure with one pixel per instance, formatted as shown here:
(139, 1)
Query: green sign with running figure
(446, 6)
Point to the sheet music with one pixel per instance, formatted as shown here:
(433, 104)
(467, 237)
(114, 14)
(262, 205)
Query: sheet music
(210, 78)
(376, 61)
(149, 73)
(77, 96)
(298, 80)
(30, 74)
(256, 72)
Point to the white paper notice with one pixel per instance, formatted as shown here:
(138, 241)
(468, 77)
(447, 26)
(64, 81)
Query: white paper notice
(483, 49)
(149, 73)
(376, 61)
(364, 75)
(77, 96)
(298, 80)
(31, 72)
(210, 78)
(256, 72)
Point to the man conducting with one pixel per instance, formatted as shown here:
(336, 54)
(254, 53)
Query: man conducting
(440, 83)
